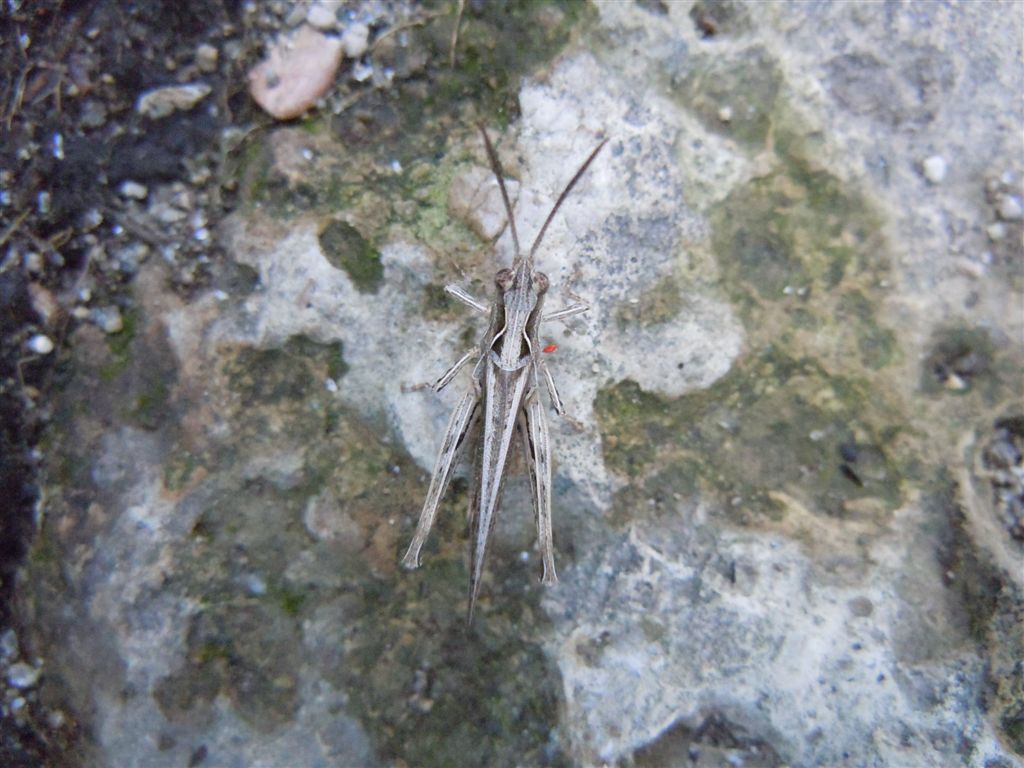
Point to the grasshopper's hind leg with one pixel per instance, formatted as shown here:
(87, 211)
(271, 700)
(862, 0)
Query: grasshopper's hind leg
(533, 427)
(461, 423)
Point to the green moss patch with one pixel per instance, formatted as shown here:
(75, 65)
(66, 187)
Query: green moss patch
(346, 249)
(774, 424)
(659, 304)
(804, 259)
(245, 652)
(747, 88)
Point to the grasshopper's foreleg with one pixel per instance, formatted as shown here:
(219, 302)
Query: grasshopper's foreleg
(461, 423)
(457, 293)
(578, 307)
(537, 447)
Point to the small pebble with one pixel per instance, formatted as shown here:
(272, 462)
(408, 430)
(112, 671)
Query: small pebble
(182, 199)
(130, 257)
(970, 268)
(43, 302)
(91, 219)
(167, 214)
(161, 102)
(322, 17)
(362, 71)
(33, 262)
(255, 584)
(355, 40)
(22, 675)
(934, 169)
(200, 176)
(133, 190)
(955, 383)
(996, 231)
(1009, 208)
(206, 58)
(295, 73)
(40, 344)
(108, 319)
(296, 16)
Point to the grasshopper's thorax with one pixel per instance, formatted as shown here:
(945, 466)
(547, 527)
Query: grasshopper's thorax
(522, 291)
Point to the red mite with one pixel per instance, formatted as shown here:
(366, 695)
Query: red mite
(550, 347)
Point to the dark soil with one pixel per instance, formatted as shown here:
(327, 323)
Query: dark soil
(70, 73)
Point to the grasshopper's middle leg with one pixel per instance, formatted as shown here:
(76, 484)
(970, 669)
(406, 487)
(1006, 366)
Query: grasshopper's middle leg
(461, 423)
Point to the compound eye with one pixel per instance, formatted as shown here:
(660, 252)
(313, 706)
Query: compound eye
(504, 279)
(540, 283)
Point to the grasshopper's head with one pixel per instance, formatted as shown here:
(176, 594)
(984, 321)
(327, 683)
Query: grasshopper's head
(521, 288)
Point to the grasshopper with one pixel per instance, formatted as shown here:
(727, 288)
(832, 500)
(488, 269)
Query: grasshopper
(504, 401)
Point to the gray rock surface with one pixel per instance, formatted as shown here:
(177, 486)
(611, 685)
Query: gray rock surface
(785, 516)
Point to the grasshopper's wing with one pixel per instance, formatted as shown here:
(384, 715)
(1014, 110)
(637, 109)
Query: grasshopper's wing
(533, 427)
(503, 399)
(460, 425)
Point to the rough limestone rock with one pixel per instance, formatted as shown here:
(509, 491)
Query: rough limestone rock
(788, 506)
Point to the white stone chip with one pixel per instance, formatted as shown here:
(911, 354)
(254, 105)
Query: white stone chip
(355, 40)
(934, 169)
(22, 675)
(40, 344)
(1010, 208)
(133, 190)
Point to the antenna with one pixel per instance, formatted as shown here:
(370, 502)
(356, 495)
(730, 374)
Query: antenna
(565, 194)
(496, 168)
